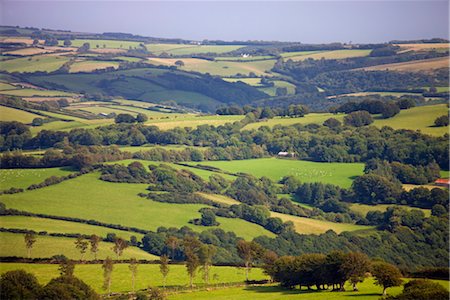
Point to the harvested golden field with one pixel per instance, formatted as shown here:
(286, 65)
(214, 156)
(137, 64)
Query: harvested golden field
(28, 51)
(108, 50)
(89, 66)
(45, 99)
(27, 41)
(424, 65)
(422, 47)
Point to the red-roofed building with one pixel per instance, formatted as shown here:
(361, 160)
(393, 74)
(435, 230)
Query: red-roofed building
(443, 182)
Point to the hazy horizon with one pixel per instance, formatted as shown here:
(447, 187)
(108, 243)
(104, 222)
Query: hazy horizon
(294, 21)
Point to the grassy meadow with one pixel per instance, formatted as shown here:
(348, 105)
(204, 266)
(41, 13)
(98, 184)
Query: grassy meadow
(335, 54)
(12, 114)
(147, 275)
(87, 197)
(413, 66)
(43, 63)
(92, 65)
(186, 49)
(363, 209)
(312, 118)
(23, 178)
(341, 174)
(47, 246)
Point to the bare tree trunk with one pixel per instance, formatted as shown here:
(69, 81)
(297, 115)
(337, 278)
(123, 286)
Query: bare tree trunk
(132, 282)
(384, 291)
(246, 270)
(191, 281)
(29, 252)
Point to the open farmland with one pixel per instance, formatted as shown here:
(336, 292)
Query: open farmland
(12, 114)
(87, 197)
(148, 274)
(35, 92)
(23, 178)
(312, 118)
(417, 118)
(43, 63)
(335, 54)
(58, 226)
(414, 66)
(312, 226)
(48, 246)
(92, 65)
(28, 51)
(115, 44)
(425, 46)
(341, 174)
(193, 121)
(363, 209)
(186, 49)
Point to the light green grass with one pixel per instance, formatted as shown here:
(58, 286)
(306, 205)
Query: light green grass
(417, 118)
(272, 91)
(33, 64)
(249, 81)
(341, 174)
(241, 58)
(35, 92)
(147, 275)
(59, 226)
(335, 54)
(12, 114)
(312, 118)
(298, 53)
(363, 209)
(23, 178)
(12, 244)
(57, 126)
(312, 226)
(87, 197)
(6, 86)
(193, 121)
(116, 44)
(185, 49)
(444, 174)
(367, 291)
(92, 65)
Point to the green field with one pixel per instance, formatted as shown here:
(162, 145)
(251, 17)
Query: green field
(108, 43)
(23, 178)
(335, 54)
(33, 64)
(312, 226)
(186, 49)
(147, 275)
(35, 92)
(12, 244)
(87, 197)
(193, 121)
(341, 174)
(417, 118)
(92, 65)
(12, 114)
(59, 226)
(312, 118)
(363, 209)
(134, 149)
(272, 91)
(367, 291)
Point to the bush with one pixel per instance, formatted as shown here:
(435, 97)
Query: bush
(358, 118)
(441, 121)
(421, 289)
(67, 287)
(19, 284)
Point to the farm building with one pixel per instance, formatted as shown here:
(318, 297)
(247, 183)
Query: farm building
(443, 182)
(286, 154)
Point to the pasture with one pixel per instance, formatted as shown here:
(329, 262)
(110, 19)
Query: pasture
(424, 47)
(193, 121)
(312, 118)
(335, 54)
(12, 244)
(187, 49)
(43, 63)
(417, 118)
(341, 174)
(147, 275)
(363, 209)
(424, 65)
(35, 92)
(23, 178)
(272, 91)
(59, 226)
(92, 65)
(87, 197)
(114, 44)
(12, 114)
(312, 226)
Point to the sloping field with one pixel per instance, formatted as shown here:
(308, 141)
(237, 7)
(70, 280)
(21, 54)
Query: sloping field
(422, 47)
(92, 65)
(35, 92)
(23, 178)
(363, 209)
(414, 66)
(417, 118)
(221, 68)
(44, 63)
(335, 54)
(12, 114)
(192, 121)
(12, 244)
(87, 197)
(28, 51)
(148, 274)
(312, 226)
(103, 43)
(341, 174)
(186, 49)
(58, 226)
(312, 118)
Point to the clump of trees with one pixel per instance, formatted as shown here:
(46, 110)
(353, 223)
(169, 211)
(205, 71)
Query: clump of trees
(358, 118)
(127, 118)
(441, 121)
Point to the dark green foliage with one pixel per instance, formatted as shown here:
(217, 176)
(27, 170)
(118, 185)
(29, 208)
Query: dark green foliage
(358, 118)
(208, 218)
(441, 121)
(124, 118)
(67, 287)
(135, 172)
(19, 284)
(386, 275)
(165, 178)
(375, 189)
(420, 289)
(141, 118)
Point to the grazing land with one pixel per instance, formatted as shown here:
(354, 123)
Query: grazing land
(417, 118)
(414, 66)
(312, 118)
(23, 178)
(341, 174)
(43, 63)
(87, 197)
(147, 275)
(12, 114)
(114, 44)
(91, 65)
(186, 49)
(363, 209)
(422, 47)
(47, 246)
(336, 54)
(34, 92)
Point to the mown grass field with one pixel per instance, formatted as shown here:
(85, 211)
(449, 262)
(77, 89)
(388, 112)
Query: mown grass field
(12, 114)
(417, 118)
(367, 291)
(116, 44)
(363, 209)
(186, 49)
(311, 226)
(221, 68)
(147, 275)
(312, 118)
(23, 178)
(12, 244)
(92, 65)
(193, 121)
(341, 174)
(335, 54)
(59, 226)
(87, 197)
(414, 66)
(42, 63)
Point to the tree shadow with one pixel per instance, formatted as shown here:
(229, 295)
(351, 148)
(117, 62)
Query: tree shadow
(278, 289)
